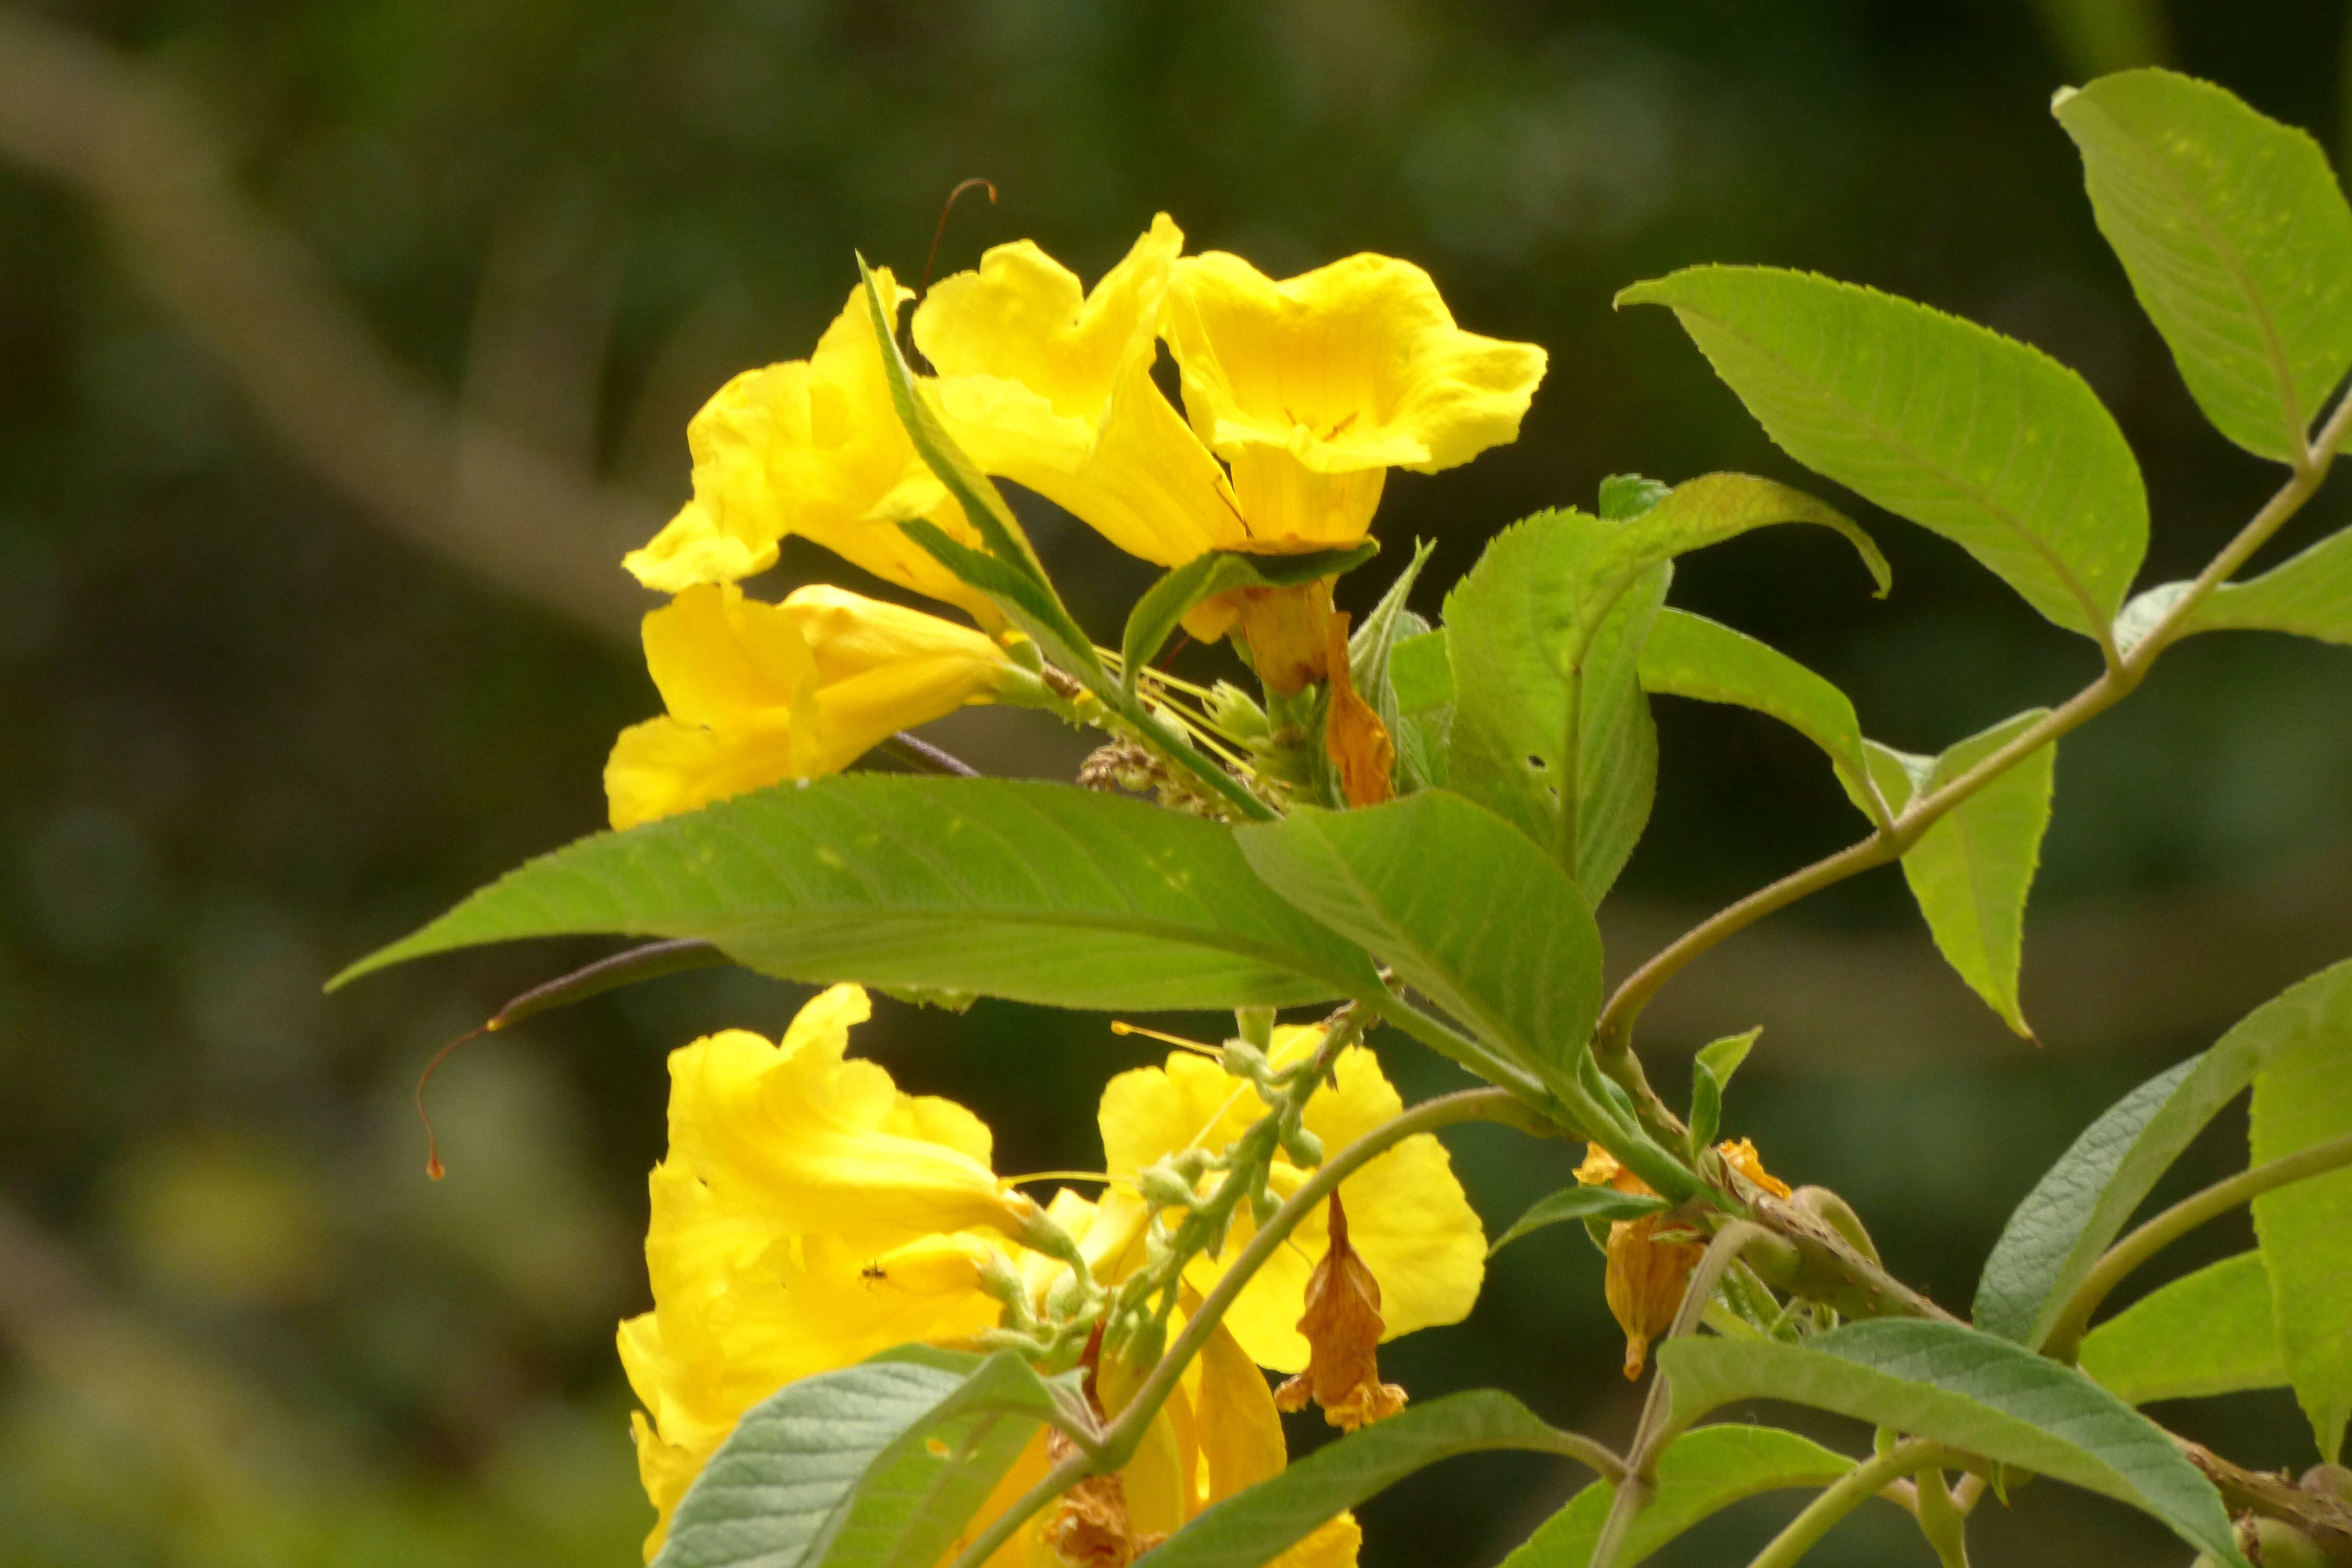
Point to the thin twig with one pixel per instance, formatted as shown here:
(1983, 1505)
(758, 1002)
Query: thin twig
(928, 758)
(1849, 1492)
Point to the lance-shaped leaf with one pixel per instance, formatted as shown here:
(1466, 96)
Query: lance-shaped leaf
(1507, 623)
(1166, 603)
(1702, 1472)
(2310, 596)
(876, 1466)
(2209, 1332)
(1501, 940)
(2083, 1202)
(1690, 656)
(1580, 1202)
(2238, 242)
(1038, 892)
(1419, 762)
(1258, 1525)
(1974, 1390)
(1986, 441)
(2303, 1098)
(1008, 570)
(1972, 870)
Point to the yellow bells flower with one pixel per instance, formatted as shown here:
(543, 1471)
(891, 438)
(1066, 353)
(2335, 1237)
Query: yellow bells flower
(1051, 386)
(1312, 388)
(1411, 1223)
(762, 693)
(810, 448)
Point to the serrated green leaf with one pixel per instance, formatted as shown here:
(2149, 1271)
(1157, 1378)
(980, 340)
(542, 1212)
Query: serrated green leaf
(1690, 656)
(1507, 622)
(2210, 1333)
(876, 1466)
(2310, 596)
(2303, 1098)
(1259, 1524)
(1580, 1202)
(1624, 496)
(2081, 1203)
(1972, 434)
(1166, 601)
(1723, 1056)
(1038, 892)
(1974, 1390)
(1971, 871)
(1503, 941)
(1702, 1472)
(2238, 242)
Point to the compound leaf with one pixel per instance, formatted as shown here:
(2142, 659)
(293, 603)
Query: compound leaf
(2209, 1332)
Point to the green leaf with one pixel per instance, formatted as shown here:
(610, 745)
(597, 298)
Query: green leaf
(1977, 1392)
(2310, 596)
(1370, 651)
(1972, 870)
(1624, 496)
(2210, 1333)
(2083, 1202)
(1972, 434)
(2238, 242)
(1580, 1202)
(1016, 582)
(1722, 1058)
(2303, 1098)
(1507, 624)
(1039, 893)
(1166, 601)
(1690, 656)
(1701, 1473)
(1695, 515)
(1503, 940)
(1422, 673)
(876, 1466)
(1259, 1524)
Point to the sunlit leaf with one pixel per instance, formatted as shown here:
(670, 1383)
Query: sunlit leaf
(1973, 435)
(2310, 594)
(1972, 870)
(2081, 1203)
(1702, 1472)
(2303, 1098)
(1974, 1390)
(1690, 656)
(2210, 1333)
(2238, 242)
(1258, 1525)
(1039, 893)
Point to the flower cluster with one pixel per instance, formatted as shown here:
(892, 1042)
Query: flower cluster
(810, 1214)
(1299, 397)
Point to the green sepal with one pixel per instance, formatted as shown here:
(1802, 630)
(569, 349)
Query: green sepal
(1157, 614)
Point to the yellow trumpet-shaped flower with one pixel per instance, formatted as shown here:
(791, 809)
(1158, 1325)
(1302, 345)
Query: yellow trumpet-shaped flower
(809, 1215)
(1051, 386)
(1411, 1223)
(1314, 387)
(761, 692)
(810, 448)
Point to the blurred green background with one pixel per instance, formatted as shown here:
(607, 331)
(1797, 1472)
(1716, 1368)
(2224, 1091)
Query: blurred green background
(344, 345)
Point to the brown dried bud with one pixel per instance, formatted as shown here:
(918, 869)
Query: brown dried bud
(1342, 1325)
(1089, 1527)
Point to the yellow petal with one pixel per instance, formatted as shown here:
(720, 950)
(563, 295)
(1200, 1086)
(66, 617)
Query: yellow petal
(1334, 1544)
(811, 447)
(805, 1132)
(662, 767)
(1410, 1222)
(1241, 1440)
(719, 659)
(1051, 386)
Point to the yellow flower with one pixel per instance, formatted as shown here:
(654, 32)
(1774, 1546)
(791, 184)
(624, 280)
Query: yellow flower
(762, 693)
(810, 448)
(809, 1215)
(1313, 388)
(1412, 1225)
(1051, 386)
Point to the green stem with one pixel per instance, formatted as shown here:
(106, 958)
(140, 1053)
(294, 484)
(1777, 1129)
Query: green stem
(1849, 1492)
(1941, 1520)
(1068, 1473)
(1175, 749)
(2124, 673)
(2066, 1337)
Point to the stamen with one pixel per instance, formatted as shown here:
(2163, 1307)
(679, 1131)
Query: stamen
(1119, 1026)
(1102, 1177)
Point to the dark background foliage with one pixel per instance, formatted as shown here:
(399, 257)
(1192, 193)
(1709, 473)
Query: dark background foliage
(262, 714)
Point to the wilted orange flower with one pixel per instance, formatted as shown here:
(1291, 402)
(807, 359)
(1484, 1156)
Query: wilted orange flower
(1343, 1328)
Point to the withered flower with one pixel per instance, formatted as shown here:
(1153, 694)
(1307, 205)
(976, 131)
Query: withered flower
(1342, 1325)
